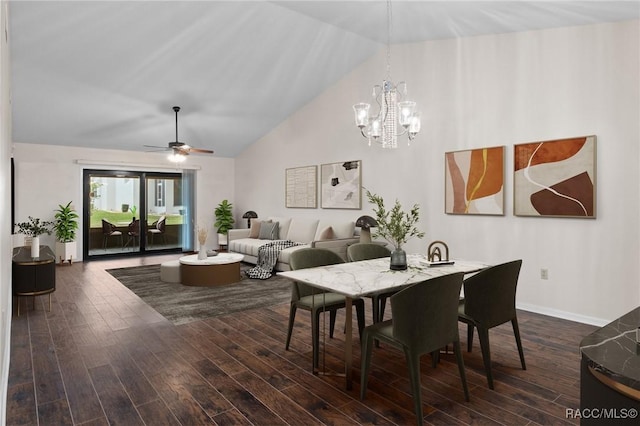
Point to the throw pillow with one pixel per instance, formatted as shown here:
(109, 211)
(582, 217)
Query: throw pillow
(269, 231)
(326, 234)
(254, 232)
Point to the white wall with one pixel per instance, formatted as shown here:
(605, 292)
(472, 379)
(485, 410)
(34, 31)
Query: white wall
(48, 175)
(490, 91)
(5, 213)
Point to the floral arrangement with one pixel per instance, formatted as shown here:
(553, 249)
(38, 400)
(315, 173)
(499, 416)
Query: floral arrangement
(202, 234)
(395, 225)
(34, 227)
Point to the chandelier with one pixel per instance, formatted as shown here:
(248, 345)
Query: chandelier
(395, 116)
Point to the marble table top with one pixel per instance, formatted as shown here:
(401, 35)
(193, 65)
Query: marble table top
(355, 279)
(219, 259)
(614, 351)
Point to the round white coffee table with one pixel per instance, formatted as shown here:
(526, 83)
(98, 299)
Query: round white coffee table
(215, 270)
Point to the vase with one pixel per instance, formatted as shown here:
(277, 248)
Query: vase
(398, 260)
(35, 247)
(202, 254)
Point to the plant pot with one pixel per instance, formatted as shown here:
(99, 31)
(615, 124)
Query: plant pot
(66, 251)
(398, 260)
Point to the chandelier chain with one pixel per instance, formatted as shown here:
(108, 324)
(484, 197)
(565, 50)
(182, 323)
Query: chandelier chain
(389, 21)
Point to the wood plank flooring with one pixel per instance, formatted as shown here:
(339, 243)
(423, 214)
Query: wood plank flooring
(102, 356)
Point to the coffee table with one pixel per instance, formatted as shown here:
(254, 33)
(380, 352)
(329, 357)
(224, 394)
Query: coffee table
(216, 270)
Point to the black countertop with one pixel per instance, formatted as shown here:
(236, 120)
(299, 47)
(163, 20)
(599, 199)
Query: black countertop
(22, 255)
(614, 351)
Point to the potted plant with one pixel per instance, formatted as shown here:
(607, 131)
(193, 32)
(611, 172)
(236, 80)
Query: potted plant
(395, 226)
(33, 228)
(65, 226)
(224, 221)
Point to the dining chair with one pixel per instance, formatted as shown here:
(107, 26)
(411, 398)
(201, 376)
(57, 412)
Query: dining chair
(489, 301)
(109, 230)
(157, 228)
(133, 233)
(425, 319)
(366, 251)
(317, 301)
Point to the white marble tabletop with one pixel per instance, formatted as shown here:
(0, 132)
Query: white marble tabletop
(219, 259)
(356, 279)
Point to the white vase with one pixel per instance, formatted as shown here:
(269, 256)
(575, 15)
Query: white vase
(35, 247)
(202, 254)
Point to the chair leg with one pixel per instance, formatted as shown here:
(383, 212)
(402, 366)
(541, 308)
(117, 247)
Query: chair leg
(365, 362)
(292, 317)
(435, 358)
(332, 322)
(483, 335)
(375, 308)
(383, 303)
(516, 332)
(463, 376)
(413, 362)
(469, 337)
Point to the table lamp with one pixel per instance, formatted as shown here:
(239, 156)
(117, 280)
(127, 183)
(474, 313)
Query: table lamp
(249, 215)
(365, 223)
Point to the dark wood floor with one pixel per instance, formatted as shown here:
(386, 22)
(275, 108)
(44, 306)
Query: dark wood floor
(102, 356)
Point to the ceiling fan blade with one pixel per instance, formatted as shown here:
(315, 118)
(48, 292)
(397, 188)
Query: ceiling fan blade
(201, 151)
(155, 146)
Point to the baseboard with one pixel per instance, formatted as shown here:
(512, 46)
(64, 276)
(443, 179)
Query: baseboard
(563, 314)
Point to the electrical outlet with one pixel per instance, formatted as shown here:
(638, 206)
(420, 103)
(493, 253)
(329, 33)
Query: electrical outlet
(544, 274)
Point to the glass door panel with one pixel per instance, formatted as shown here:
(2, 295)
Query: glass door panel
(114, 221)
(165, 211)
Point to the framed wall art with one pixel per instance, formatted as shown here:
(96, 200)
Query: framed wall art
(555, 178)
(340, 185)
(301, 187)
(474, 181)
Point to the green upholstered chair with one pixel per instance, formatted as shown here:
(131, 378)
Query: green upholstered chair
(366, 251)
(309, 298)
(425, 319)
(489, 301)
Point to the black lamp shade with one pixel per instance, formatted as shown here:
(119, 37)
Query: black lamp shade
(366, 222)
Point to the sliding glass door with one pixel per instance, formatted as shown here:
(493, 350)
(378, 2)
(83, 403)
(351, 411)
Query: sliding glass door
(133, 212)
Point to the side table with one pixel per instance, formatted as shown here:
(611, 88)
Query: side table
(33, 276)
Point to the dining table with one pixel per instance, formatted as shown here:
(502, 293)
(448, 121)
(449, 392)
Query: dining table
(363, 278)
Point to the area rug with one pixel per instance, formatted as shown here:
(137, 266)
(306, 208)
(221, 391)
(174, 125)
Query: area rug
(183, 304)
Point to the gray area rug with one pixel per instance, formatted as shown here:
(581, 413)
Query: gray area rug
(183, 304)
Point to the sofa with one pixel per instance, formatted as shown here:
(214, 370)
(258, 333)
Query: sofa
(333, 235)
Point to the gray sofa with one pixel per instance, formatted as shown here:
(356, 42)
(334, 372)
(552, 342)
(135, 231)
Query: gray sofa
(308, 231)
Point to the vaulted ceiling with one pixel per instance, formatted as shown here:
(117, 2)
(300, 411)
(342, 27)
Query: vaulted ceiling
(106, 74)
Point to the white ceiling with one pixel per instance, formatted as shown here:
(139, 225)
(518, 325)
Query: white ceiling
(106, 74)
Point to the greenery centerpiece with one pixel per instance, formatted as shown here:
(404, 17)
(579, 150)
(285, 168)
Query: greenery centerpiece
(396, 226)
(224, 220)
(65, 226)
(34, 227)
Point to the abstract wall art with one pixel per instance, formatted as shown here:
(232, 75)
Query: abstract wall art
(340, 185)
(555, 178)
(474, 181)
(301, 187)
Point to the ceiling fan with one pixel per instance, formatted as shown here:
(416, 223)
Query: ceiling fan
(179, 150)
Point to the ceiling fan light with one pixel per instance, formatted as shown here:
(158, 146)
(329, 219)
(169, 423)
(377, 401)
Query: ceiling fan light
(177, 157)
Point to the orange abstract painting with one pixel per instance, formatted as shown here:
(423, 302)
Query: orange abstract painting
(555, 178)
(474, 181)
